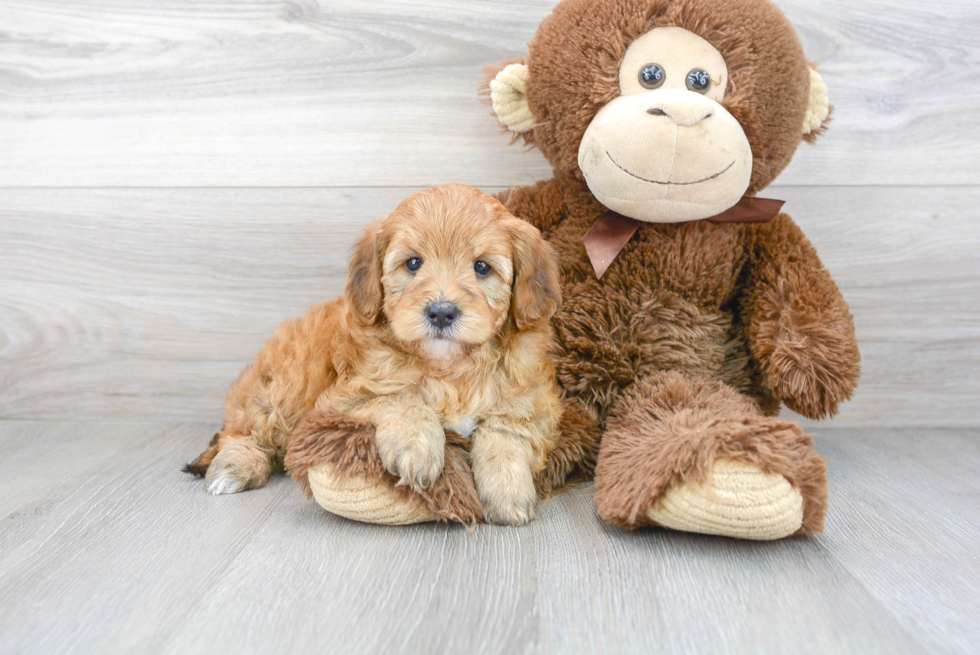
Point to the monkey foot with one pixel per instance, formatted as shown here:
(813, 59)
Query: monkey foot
(364, 499)
(736, 499)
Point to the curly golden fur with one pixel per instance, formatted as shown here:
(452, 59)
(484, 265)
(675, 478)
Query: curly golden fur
(383, 356)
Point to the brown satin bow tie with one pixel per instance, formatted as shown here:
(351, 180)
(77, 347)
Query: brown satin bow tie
(612, 232)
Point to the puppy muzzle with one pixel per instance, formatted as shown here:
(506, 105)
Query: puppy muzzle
(442, 315)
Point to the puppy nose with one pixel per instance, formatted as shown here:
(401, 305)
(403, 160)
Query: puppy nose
(441, 314)
(686, 114)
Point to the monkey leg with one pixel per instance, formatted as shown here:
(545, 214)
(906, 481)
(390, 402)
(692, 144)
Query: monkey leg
(693, 454)
(334, 459)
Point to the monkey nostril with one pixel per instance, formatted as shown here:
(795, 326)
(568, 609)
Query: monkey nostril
(682, 115)
(441, 314)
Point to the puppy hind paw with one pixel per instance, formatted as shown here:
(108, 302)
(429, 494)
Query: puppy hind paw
(225, 484)
(237, 467)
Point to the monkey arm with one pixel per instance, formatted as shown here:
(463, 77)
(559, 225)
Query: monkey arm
(540, 204)
(801, 332)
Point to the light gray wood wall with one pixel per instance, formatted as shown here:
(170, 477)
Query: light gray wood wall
(176, 178)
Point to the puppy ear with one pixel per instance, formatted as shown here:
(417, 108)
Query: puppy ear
(364, 292)
(537, 284)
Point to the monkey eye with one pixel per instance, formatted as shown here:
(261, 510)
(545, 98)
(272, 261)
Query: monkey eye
(481, 268)
(413, 264)
(652, 76)
(698, 80)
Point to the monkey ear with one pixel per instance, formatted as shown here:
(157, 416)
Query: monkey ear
(364, 291)
(818, 110)
(537, 285)
(509, 100)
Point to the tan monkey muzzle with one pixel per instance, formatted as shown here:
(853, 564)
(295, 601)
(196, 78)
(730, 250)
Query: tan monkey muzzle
(666, 156)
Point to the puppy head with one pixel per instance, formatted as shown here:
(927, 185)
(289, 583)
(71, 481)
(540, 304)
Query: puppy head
(449, 269)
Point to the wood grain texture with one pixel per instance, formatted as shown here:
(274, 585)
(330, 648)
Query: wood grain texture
(111, 561)
(147, 303)
(908, 500)
(346, 93)
(130, 555)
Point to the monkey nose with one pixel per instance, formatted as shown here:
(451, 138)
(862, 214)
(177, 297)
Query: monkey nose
(682, 113)
(441, 314)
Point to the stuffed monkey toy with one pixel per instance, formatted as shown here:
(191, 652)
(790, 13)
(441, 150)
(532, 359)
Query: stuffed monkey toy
(693, 308)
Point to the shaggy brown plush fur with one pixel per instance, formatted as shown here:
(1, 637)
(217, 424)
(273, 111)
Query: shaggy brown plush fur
(683, 351)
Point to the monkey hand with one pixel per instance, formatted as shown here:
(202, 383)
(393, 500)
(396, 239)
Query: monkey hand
(807, 353)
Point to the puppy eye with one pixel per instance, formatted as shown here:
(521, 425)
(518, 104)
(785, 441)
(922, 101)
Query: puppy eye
(413, 264)
(652, 76)
(698, 80)
(482, 268)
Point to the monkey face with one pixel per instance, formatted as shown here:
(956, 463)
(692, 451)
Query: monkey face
(666, 150)
(669, 110)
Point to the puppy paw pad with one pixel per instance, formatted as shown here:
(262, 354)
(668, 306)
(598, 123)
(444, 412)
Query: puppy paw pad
(513, 511)
(416, 465)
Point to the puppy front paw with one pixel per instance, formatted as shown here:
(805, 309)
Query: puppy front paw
(415, 456)
(508, 502)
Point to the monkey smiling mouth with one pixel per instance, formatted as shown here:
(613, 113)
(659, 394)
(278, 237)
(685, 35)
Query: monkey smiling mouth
(710, 177)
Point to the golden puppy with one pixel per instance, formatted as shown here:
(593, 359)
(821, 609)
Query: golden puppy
(444, 325)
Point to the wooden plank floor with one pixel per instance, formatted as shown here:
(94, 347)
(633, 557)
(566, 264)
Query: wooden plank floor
(107, 547)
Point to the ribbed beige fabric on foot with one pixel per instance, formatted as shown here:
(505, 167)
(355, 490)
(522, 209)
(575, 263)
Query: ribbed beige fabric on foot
(737, 500)
(360, 499)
